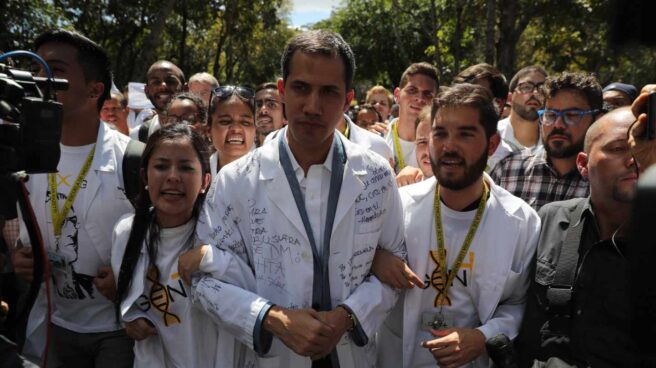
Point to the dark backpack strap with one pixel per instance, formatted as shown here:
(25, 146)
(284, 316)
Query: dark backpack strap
(143, 131)
(559, 293)
(131, 164)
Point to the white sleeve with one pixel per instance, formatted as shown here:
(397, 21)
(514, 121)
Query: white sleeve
(373, 300)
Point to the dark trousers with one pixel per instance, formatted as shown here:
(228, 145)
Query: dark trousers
(93, 350)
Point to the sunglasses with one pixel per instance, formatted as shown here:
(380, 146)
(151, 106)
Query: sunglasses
(225, 92)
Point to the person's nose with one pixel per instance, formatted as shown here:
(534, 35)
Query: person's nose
(312, 104)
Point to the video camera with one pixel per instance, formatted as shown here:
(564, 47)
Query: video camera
(30, 127)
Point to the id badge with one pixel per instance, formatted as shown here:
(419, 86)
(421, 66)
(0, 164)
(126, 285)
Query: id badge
(436, 320)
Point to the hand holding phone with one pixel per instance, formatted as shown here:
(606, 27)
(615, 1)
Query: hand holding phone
(651, 116)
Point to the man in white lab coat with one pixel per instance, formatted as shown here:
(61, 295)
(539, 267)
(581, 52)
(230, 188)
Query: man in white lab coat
(469, 239)
(306, 212)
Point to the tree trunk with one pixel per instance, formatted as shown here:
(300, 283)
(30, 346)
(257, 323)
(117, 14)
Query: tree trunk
(456, 49)
(183, 38)
(512, 24)
(149, 54)
(437, 56)
(489, 31)
(398, 42)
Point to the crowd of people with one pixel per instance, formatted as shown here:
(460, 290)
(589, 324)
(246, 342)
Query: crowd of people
(289, 226)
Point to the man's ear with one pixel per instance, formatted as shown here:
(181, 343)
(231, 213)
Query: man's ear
(493, 144)
(582, 164)
(397, 91)
(281, 88)
(349, 97)
(96, 89)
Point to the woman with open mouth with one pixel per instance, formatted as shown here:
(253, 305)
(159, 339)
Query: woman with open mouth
(231, 124)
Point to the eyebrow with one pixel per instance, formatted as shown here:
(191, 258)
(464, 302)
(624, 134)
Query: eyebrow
(50, 62)
(223, 115)
(164, 159)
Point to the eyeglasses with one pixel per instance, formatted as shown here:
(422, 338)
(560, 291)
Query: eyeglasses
(224, 92)
(528, 87)
(570, 117)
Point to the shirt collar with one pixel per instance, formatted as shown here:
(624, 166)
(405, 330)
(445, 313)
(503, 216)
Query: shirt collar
(327, 164)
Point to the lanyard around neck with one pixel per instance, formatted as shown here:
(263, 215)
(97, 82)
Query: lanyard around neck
(57, 217)
(397, 146)
(442, 297)
(321, 285)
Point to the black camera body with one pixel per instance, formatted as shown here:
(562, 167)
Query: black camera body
(31, 128)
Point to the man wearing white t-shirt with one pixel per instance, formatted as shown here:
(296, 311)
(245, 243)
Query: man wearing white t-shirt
(467, 238)
(521, 129)
(76, 209)
(416, 89)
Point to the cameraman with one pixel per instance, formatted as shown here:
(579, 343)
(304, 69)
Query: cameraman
(76, 209)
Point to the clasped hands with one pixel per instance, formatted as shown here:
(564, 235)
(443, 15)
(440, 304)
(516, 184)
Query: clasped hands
(306, 331)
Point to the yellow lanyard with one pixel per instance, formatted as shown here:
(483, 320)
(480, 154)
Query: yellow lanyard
(347, 131)
(440, 257)
(58, 218)
(397, 145)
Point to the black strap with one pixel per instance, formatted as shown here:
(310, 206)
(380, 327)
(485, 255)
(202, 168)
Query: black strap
(559, 293)
(143, 131)
(131, 164)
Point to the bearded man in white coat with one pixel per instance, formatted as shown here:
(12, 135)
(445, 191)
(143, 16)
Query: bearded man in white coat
(306, 212)
(469, 240)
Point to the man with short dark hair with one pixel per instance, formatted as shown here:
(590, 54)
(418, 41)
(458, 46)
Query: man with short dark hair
(268, 110)
(489, 77)
(163, 80)
(418, 85)
(521, 130)
(578, 310)
(76, 209)
(573, 102)
(474, 275)
(306, 212)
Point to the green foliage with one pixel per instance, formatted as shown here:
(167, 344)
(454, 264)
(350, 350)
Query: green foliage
(239, 41)
(388, 35)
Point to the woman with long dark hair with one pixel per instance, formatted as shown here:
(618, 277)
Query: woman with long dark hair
(152, 300)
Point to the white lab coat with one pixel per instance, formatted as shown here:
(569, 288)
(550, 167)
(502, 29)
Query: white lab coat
(369, 140)
(103, 203)
(251, 212)
(509, 229)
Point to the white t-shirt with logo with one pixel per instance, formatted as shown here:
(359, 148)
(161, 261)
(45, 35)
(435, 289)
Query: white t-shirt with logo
(74, 260)
(462, 312)
(186, 337)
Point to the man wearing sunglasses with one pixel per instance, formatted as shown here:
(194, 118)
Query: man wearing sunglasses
(573, 102)
(306, 212)
(521, 129)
